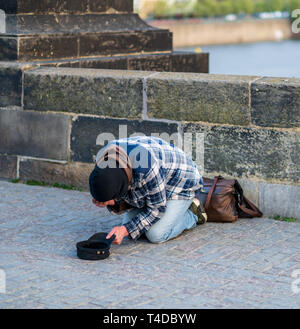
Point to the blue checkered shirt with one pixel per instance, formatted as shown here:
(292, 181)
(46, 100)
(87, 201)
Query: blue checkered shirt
(161, 172)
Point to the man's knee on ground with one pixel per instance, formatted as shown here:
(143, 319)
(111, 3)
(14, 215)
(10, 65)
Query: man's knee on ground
(157, 237)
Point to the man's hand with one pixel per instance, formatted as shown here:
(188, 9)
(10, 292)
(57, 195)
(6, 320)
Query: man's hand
(120, 232)
(104, 204)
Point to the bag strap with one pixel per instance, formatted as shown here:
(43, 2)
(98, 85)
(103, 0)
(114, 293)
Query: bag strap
(253, 211)
(211, 191)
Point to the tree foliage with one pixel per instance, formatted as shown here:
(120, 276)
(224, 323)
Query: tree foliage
(212, 8)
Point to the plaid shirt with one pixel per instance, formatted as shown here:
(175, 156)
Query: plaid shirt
(161, 172)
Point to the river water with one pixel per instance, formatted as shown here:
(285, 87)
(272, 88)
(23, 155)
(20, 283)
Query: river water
(277, 59)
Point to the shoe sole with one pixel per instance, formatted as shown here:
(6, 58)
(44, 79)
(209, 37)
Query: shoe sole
(199, 211)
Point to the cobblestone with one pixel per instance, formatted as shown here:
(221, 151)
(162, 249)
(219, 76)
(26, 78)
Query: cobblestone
(246, 264)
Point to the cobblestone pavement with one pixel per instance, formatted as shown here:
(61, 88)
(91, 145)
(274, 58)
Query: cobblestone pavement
(247, 264)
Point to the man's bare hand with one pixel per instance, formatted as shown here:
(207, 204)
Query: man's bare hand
(120, 232)
(104, 204)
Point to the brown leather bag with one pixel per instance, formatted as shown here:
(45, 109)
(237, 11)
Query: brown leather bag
(224, 200)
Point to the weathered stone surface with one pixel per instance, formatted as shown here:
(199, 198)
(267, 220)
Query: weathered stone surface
(150, 63)
(161, 62)
(47, 47)
(108, 63)
(69, 63)
(275, 102)
(66, 6)
(160, 40)
(190, 62)
(101, 92)
(250, 152)
(34, 134)
(29, 25)
(86, 131)
(43, 6)
(60, 30)
(174, 62)
(98, 5)
(135, 42)
(9, 48)
(60, 46)
(42, 37)
(10, 84)
(279, 199)
(8, 166)
(199, 97)
(73, 173)
(111, 5)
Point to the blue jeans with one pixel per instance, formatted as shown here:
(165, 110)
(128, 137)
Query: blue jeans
(175, 220)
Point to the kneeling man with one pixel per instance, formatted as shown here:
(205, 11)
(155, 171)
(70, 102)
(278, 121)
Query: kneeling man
(153, 182)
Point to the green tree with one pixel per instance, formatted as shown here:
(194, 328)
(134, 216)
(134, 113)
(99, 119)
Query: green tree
(161, 8)
(209, 8)
(226, 7)
(184, 8)
(294, 4)
(247, 6)
(236, 6)
(275, 5)
(206, 8)
(260, 6)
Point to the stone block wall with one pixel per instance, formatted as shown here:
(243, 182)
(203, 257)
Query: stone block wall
(66, 6)
(51, 118)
